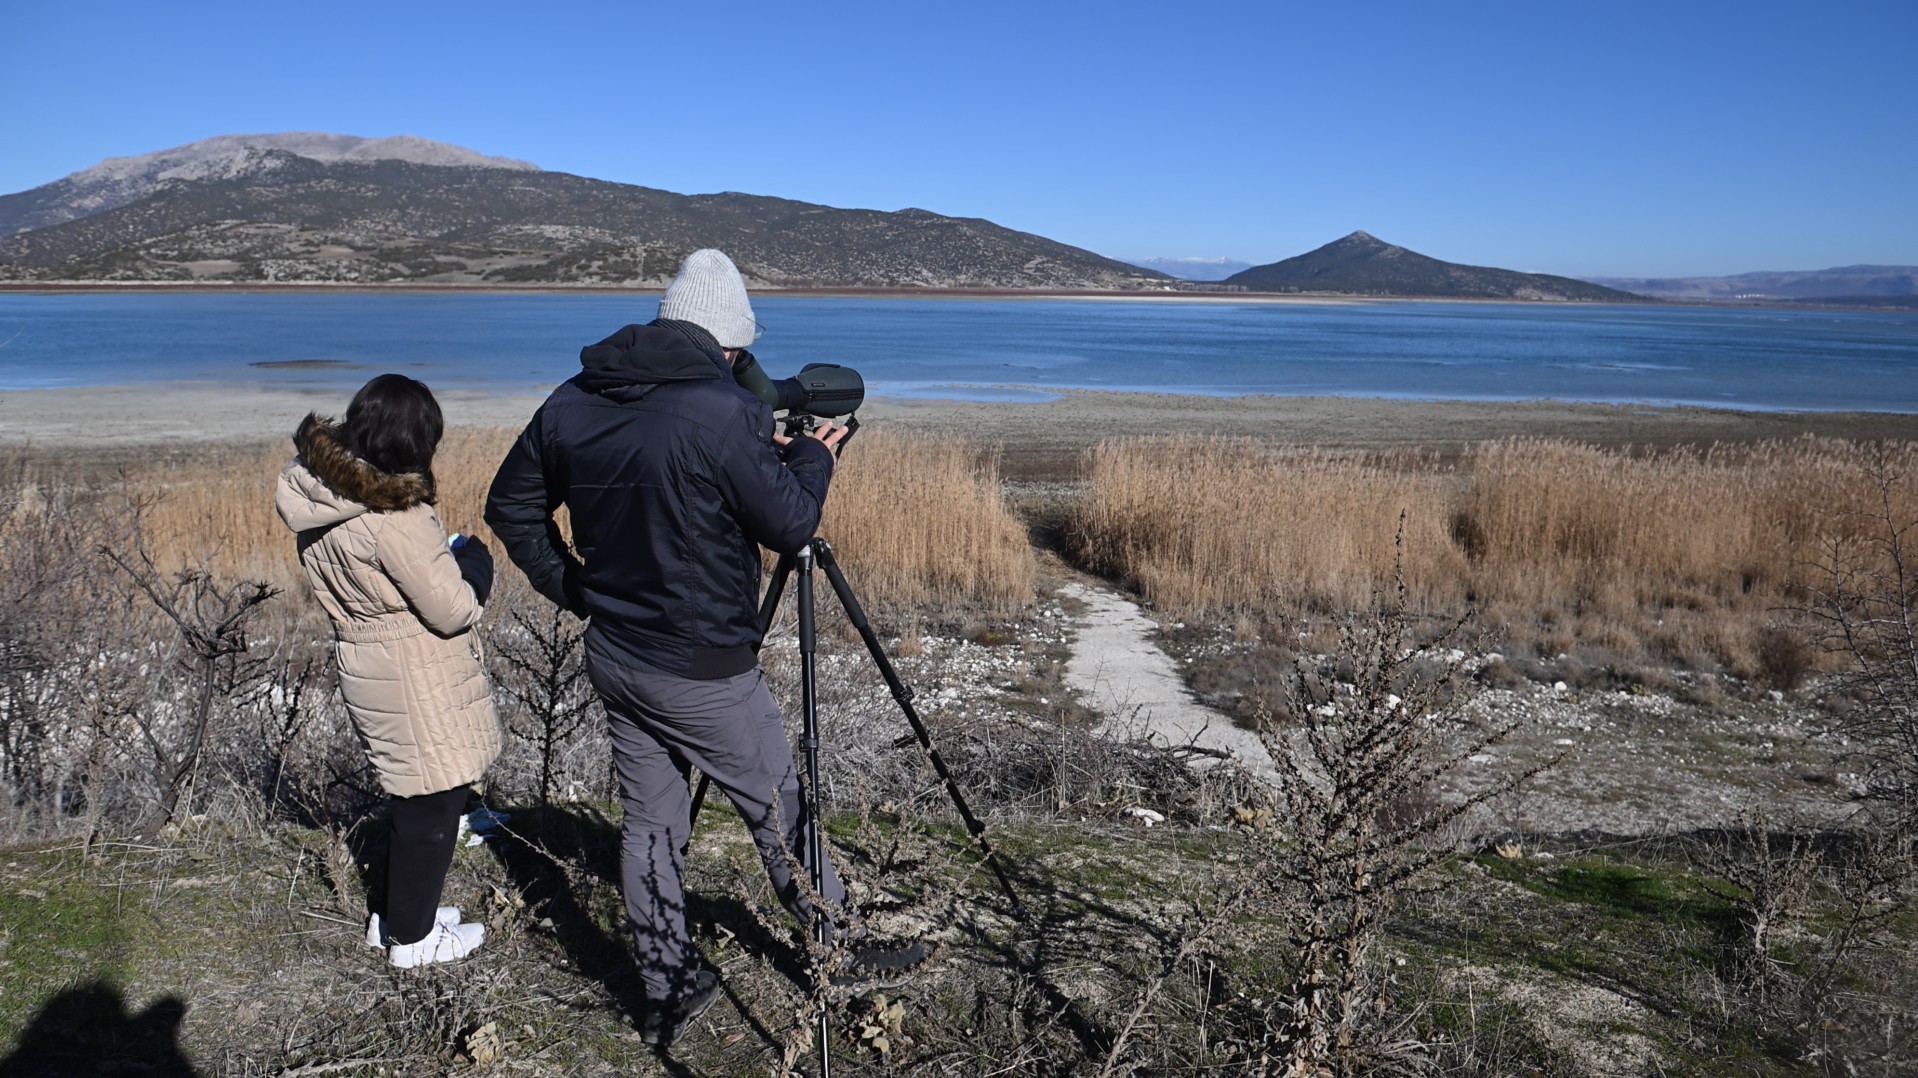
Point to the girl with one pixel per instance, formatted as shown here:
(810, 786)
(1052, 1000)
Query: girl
(360, 496)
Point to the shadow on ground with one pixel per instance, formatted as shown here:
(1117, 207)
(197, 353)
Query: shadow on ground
(88, 1030)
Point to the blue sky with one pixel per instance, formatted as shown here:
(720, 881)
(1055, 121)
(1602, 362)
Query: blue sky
(1623, 138)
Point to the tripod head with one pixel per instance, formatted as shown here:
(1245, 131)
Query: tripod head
(802, 424)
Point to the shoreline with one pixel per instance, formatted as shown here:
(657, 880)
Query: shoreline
(1034, 439)
(109, 288)
(1170, 295)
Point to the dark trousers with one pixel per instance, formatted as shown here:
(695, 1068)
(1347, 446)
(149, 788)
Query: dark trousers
(730, 729)
(424, 829)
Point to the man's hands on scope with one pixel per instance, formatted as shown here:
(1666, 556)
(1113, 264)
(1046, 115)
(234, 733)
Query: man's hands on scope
(825, 433)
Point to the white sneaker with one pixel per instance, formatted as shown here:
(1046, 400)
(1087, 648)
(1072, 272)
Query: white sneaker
(445, 915)
(446, 943)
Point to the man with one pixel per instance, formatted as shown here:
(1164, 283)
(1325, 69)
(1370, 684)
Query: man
(674, 477)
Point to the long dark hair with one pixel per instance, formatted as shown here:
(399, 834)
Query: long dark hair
(394, 424)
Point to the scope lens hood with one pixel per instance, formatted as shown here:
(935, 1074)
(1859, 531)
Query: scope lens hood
(823, 389)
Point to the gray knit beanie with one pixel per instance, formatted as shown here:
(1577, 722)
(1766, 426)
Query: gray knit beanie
(710, 294)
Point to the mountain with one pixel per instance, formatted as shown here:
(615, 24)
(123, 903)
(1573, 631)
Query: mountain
(338, 209)
(118, 181)
(1854, 285)
(1366, 265)
(1193, 269)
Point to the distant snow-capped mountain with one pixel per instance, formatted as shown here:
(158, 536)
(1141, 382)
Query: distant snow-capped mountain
(1839, 282)
(1193, 269)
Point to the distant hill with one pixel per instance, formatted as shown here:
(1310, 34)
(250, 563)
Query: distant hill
(1193, 269)
(1849, 285)
(341, 209)
(1362, 264)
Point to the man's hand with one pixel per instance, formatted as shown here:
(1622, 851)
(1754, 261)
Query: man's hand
(826, 434)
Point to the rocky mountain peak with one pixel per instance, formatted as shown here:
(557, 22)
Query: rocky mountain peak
(1362, 241)
(211, 155)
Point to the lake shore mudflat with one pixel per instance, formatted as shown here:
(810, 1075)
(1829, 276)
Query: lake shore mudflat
(1037, 439)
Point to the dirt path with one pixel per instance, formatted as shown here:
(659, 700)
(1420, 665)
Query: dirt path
(1136, 689)
(1634, 762)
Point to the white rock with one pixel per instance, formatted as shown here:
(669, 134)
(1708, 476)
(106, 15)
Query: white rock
(1145, 815)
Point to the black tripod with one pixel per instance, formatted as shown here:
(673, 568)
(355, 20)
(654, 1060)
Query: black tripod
(819, 551)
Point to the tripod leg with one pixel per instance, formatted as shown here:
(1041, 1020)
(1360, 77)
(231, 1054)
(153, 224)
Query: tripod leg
(809, 734)
(692, 815)
(902, 693)
(768, 606)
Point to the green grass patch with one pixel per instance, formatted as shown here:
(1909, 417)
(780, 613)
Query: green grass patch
(1622, 889)
(60, 929)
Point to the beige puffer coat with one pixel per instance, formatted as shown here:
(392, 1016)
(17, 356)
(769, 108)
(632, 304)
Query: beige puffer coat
(375, 553)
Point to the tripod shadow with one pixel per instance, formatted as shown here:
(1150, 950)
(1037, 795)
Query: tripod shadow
(88, 1030)
(1066, 929)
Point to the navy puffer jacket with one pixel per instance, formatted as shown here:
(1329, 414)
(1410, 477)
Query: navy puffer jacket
(673, 482)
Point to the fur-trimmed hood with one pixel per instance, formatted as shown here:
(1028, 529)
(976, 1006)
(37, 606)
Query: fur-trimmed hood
(329, 483)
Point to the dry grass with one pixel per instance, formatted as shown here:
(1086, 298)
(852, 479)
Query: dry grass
(1689, 553)
(913, 519)
(920, 520)
(1232, 525)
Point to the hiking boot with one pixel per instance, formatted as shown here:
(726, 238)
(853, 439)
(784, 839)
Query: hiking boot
(445, 915)
(445, 943)
(869, 965)
(662, 1026)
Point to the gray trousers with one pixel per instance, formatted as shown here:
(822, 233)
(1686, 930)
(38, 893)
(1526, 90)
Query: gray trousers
(730, 729)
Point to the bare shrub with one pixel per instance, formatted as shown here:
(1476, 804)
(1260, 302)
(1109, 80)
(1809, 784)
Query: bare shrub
(1773, 872)
(1864, 600)
(1812, 905)
(1784, 657)
(50, 584)
(1367, 734)
(539, 665)
(211, 618)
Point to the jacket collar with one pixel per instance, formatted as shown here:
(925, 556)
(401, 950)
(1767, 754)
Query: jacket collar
(325, 454)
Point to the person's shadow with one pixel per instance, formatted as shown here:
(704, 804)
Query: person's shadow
(87, 1030)
(565, 860)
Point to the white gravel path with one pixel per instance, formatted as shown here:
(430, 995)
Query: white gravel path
(1118, 672)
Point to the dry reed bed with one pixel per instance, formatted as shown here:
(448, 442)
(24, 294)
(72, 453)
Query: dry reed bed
(914, 519)
(1580, 544)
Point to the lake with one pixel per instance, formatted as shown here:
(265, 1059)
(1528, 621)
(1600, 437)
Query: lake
(1001, 349)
